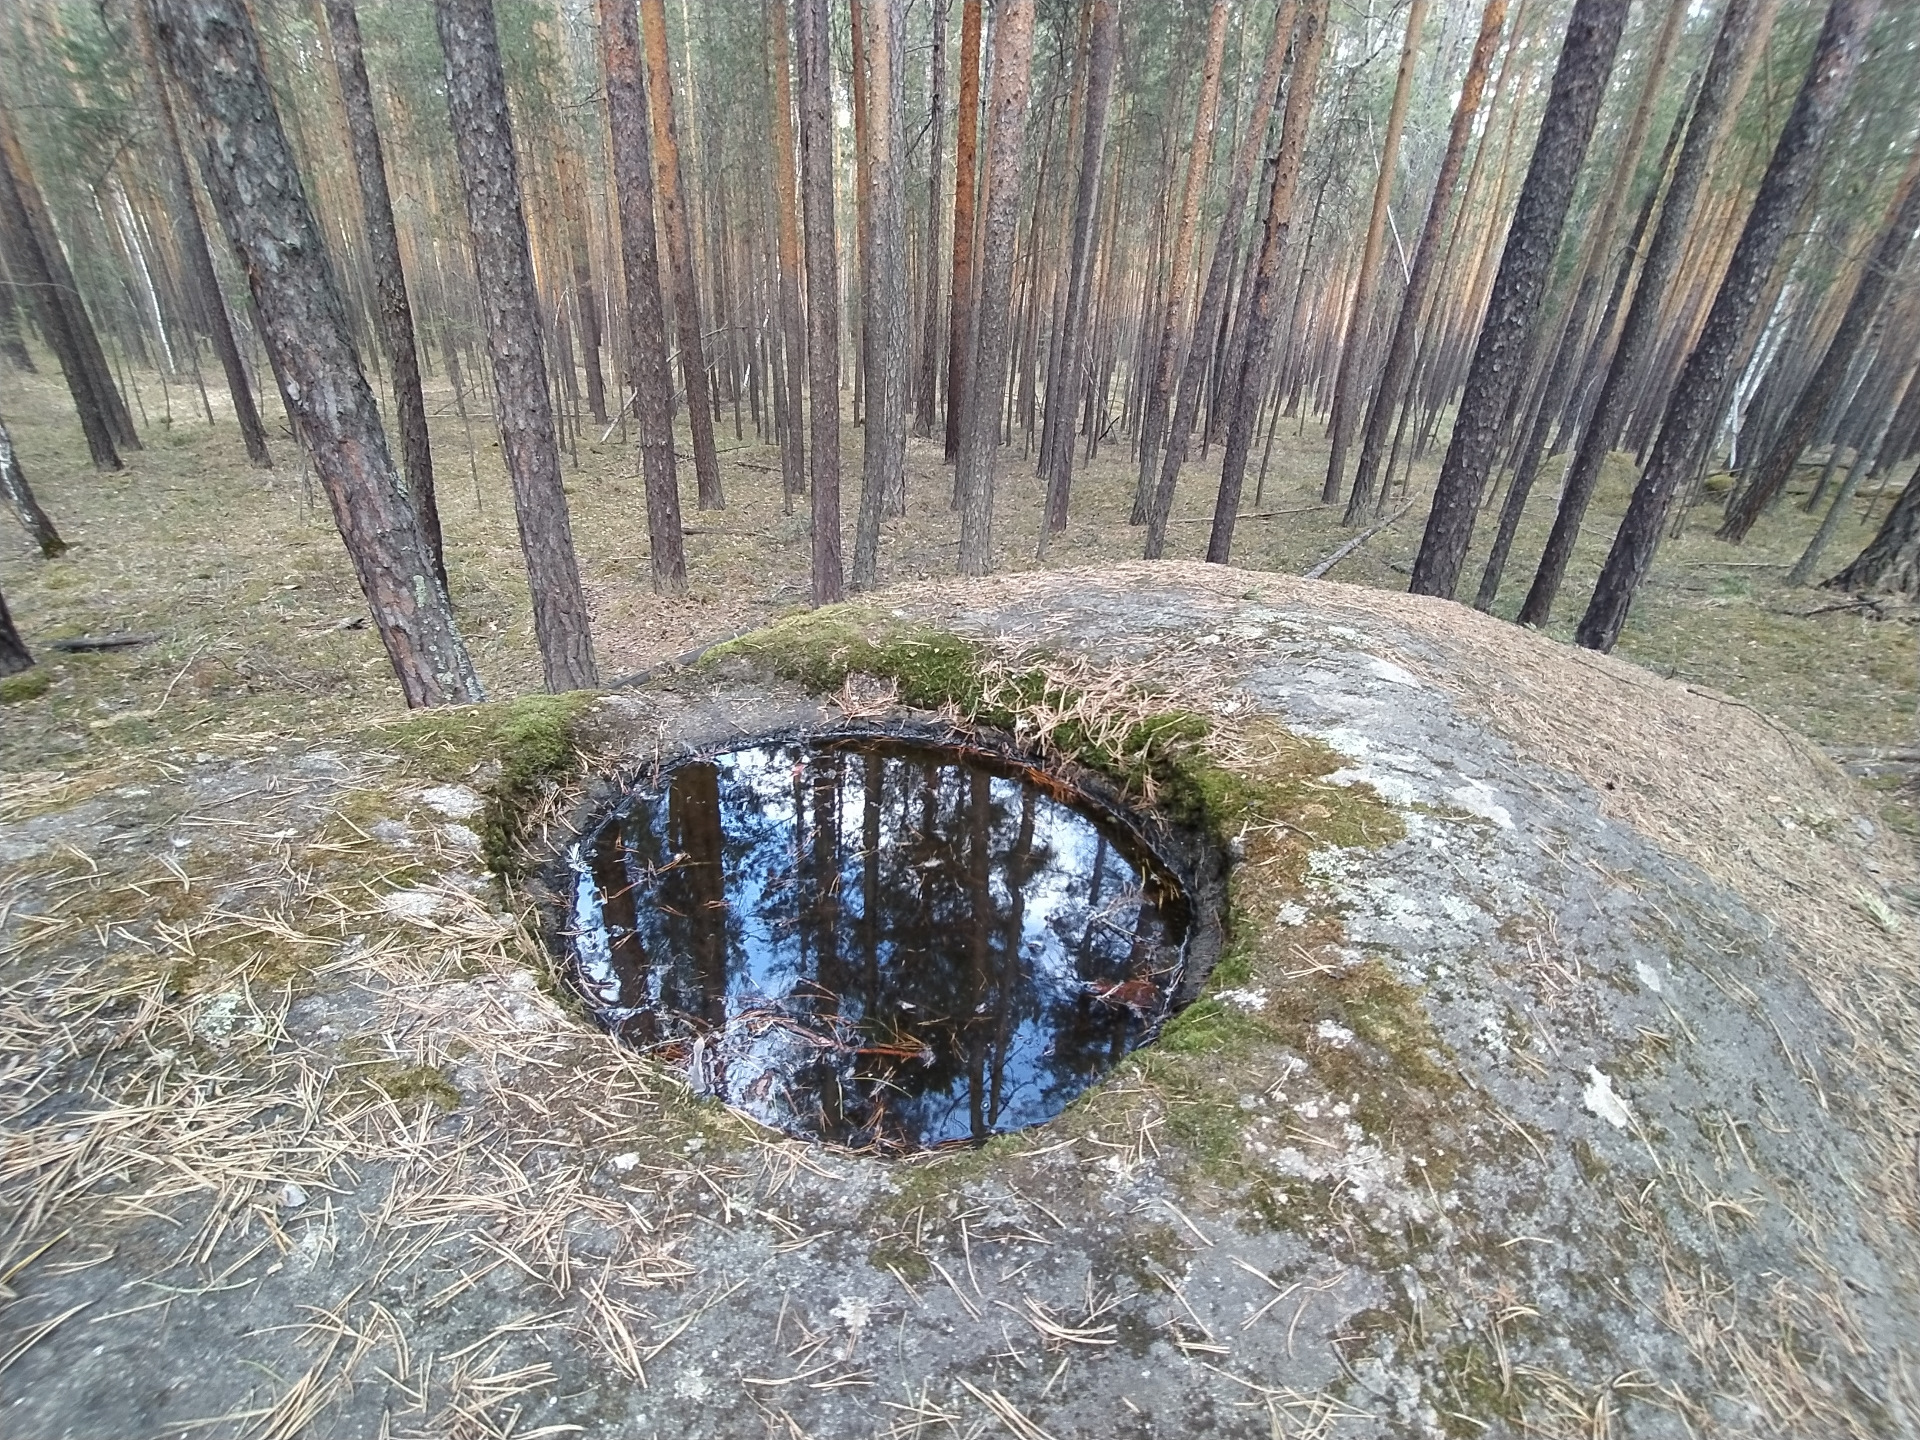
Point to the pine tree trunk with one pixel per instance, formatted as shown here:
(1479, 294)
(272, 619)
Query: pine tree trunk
(1573, 104)
(1896, 235)
(393, 311)
(1067, 372)
(670, 194)
(1340, 420)
(1692, 410)
(28, 267)
(647, 343)
(503, 267)
(19, 496)
(210, 48)
(965, 193)
(1172, 341)
(12, 345)
(1213, 297)
(1891, 560)
(926, 398)
(1713, 108)
(193, 247)
(887, 312)
(65, 293)
(793, 476)
(1262, 303)
(1392, 382)
(1007, 111)
(823, 294)
(14, 655)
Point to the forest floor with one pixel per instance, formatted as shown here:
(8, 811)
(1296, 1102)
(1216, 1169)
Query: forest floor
(240, 577)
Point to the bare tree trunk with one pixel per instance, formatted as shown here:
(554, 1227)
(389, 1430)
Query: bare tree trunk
(1262, 303)
(1891, 560)
(12, 345)
(193, 247)
(393, 310)
(1067, 372)
(503, 268)
(1776, 468)
(1692, 410)
(1392, 382)
(1213, 298)
(28, 267)
(793, 475)
(926, 398)
(1738, 37)
(679, 231)
(1007, 109)
(965, 190)
(646, 310)
(1340, 420)
(14, 655)
(1573, 325)
(823, 294)
(1573, 104)
(887, 312)
(1172, 338)
(210, 48)
(19, 495)
(62, 292)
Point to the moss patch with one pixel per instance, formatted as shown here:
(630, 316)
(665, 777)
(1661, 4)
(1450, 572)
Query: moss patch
(518, 749)
(27, 685)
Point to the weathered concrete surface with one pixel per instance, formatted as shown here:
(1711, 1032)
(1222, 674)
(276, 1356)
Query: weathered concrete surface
(1574, 1101)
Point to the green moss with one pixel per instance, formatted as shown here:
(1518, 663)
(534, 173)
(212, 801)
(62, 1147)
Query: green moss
(819, 649)
(527, 743)
(405, 1084)
(27, 685)
(1476, 1393)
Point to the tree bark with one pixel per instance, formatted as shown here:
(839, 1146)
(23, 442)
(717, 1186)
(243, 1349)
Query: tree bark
(646, 310)
(1738, 38)
(823, 295)
(1573, 104)
(887, 313)
(670, 193)
(1250, 383)
(1340, 419)
(27, 265)
(1067, 374)
(1172, 329)
(1213, 297)
(1689, 421)
(1007, 110)
(1392, 381)
(13, 484)
(966, 158)
(926, 400)
(503, 268)
(1552, 395)
(393, 311)
(63, 291)
(193, 246)
(12, 345)
(14, 655)
(1891, 560)
(1883, 267)
(210, 48)
(793, 475)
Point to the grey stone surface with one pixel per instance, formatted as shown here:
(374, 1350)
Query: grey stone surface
(1643, 1202)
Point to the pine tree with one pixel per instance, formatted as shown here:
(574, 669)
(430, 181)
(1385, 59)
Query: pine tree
(210, 48)
(19, 496)
(646, 309)
(483, 139)
(1687, 424)
(823, 304)
(887, 313)
(1573, 104)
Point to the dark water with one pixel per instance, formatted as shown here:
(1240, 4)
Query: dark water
(874, 943)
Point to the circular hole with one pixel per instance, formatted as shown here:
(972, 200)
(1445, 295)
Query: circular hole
(882, 942)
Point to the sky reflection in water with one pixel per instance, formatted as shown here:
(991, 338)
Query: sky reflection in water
(873, 943)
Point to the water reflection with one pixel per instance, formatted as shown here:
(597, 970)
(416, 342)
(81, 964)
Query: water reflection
(874, 943)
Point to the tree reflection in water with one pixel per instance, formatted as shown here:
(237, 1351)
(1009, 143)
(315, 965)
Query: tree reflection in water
(874, 943)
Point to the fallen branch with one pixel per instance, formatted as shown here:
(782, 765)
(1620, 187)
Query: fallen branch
(77, 644)
(1320, 570)
(1250, 515)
